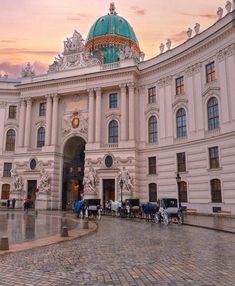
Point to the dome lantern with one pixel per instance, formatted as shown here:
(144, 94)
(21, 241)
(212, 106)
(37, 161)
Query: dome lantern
(111, 38)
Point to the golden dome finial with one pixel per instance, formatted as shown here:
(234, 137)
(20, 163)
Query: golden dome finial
(112, 8)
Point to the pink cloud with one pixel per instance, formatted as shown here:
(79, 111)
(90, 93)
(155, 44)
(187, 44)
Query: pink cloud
(9, 51)
(14, 70)
(178, 37)
(208, 16)
(138, 10)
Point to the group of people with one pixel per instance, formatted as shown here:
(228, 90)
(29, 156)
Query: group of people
(11, 203)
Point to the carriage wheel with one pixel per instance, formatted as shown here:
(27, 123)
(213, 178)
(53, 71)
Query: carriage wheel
(157, 218)
(98, 215)
(180, 218)
(166, 219)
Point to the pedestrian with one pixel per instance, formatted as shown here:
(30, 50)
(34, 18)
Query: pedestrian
(13, 203)
(8, 203)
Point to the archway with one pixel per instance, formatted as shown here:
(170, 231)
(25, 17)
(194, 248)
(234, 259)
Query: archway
(73, 171)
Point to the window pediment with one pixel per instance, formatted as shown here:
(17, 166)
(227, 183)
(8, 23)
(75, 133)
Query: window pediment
(212, 89)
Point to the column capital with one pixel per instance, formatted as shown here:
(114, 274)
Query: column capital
(90, 91)
(131, 85)
(98, 90)
(29, 100)
(48, 96)
(122, 85)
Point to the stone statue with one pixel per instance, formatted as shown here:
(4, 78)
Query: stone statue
(168, 44)
(162, 47)
(228, 6)
(189, 33)
(75, 55)
(90, 181)
(126, 178)
(142, 56)
(220, 13)
(197, 28)
(44, 182)
(27, 71)
(17, 185)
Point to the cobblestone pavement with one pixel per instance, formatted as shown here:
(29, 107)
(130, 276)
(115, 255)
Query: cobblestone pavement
(123, 252)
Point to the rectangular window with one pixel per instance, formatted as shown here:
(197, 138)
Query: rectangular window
(12, 111)
(214, 157)
(6, 169)
(152, 94)
(210, 72)
(152, 165)
(181, 162)
(42, 109)
(113, 100)
(179, 85)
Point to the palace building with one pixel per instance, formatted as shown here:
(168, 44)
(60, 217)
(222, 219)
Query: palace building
(102, 112)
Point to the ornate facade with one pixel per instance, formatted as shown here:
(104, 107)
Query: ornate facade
(75, 131)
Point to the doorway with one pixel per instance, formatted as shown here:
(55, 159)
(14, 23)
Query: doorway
(108, 190)
(73, 171)
(31, 192)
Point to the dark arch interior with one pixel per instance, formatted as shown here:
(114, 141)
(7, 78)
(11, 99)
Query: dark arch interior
(73, 171)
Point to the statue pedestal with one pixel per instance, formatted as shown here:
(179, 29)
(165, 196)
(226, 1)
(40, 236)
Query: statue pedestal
(41, 201)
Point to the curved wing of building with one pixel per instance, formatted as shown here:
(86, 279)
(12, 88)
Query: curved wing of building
(103, 123)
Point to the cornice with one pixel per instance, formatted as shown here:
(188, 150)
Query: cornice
(189, 53)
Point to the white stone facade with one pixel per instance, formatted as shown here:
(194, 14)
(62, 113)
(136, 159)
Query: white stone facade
(82, 94)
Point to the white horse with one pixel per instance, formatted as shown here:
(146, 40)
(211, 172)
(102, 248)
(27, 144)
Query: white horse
(115, 207)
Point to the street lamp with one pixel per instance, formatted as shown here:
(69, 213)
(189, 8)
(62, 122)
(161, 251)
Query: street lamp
(178, 180)
(121, 186)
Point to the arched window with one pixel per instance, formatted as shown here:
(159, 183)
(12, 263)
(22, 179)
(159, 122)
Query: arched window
(181, 123)
(41, 137)
(216, 196)
(183, 192)
(10, 140)
(113, 131)
(152, 192)
(152, 129)
(213, 113)
(5, 192)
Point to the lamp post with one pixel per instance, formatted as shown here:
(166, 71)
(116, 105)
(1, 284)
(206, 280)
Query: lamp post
(178, 180)
(121, 187)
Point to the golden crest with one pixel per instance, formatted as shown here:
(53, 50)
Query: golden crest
(75, 122)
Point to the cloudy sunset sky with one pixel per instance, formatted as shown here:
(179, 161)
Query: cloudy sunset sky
(34, 30)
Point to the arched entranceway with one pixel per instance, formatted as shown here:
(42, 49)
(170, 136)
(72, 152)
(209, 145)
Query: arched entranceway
(73, 171)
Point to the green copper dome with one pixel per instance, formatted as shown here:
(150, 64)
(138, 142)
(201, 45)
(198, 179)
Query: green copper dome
(111, 38)
(112, 24)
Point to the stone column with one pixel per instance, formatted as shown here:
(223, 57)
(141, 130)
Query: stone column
(98, 115)
(48, 121)
(91, 111)
(21, 123)
(123, 111)
(54, 119)
(131, 111)
(28, 122)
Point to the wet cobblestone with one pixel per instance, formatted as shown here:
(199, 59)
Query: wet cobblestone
(123, 252)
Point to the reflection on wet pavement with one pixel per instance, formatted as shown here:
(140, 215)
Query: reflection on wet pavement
(21, 227)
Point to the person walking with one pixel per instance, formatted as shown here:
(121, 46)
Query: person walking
(8, 203)
(13, 203)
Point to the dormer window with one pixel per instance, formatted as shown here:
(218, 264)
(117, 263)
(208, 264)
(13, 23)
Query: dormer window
(152, 95)
(210, 72)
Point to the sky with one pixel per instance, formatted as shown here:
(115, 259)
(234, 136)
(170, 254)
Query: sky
(34, 30)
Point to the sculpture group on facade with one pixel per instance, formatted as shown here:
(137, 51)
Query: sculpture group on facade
(44, 182)
(17, 185)
(27, 71)
(125, 177)
(90, 181)
(74, 55)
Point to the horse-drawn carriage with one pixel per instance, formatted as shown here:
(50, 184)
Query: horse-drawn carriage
(90, 208)
(169, 211)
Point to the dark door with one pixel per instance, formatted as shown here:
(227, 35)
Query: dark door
(32, 186)
(108, 190)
